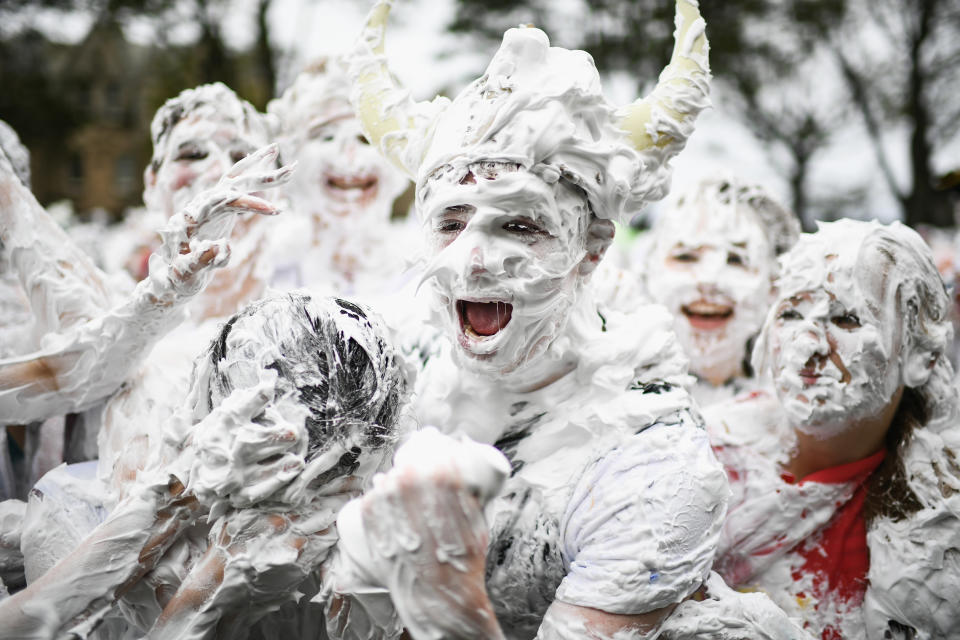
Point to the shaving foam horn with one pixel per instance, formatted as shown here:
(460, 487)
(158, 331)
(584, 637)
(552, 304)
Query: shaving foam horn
(385, 109)
(662, 120)
(667, 114)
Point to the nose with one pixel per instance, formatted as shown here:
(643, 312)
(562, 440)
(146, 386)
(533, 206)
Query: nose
(814, 338)
(348, 150)
(476, 265)
(706, 271)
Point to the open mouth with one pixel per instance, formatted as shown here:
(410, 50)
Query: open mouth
(707, 315)
(351, 182)
(809, 376)
(481, 320)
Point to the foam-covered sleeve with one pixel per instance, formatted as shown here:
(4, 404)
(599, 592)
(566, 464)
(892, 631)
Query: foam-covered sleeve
(641, 530)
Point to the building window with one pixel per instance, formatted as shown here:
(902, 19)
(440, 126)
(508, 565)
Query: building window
(124, 175)
(113, 102)
(76, 169)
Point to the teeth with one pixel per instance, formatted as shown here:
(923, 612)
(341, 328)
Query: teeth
(347, 184)
(707, 309)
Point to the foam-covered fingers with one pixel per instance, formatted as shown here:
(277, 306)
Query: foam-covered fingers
(266, 179)
(258, 171)
(457, 527)
(252, 204)
(258, 443)
(249, 402)
(389, 530)
(262, 158)
(203, 255)
(269, 477)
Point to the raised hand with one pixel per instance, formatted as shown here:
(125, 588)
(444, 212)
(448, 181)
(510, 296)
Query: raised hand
(420, 532)
(195, 240)
(246, 449)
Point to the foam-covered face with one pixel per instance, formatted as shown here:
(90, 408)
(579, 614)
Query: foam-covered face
(713, 272)
(338, 173)
(506, 253)
(198, 151)
(834, 350)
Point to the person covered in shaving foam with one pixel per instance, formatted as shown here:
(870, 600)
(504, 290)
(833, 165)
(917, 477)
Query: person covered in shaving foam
(339, 235)
(612, 506)
(845, 477)
(295, 404)
(84, 353)
(712, 262)
(108, 360)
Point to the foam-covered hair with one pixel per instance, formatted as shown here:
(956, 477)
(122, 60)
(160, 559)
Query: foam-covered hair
(17, 153)
(213, 101)
(321, 84)
(892, 262)
(541, 109)
(726, 196)
(333, 356)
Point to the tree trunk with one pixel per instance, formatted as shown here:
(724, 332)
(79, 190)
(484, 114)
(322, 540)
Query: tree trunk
(798, 178)
(265, 52)
(923, 204)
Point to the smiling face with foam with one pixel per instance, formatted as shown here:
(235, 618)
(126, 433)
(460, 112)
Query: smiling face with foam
(847, 330)
(510, 256)
(712, 265)
(519, 178)
(338, 173)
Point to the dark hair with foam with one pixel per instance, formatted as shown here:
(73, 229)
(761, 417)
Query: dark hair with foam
(333, 356)
(217, 98)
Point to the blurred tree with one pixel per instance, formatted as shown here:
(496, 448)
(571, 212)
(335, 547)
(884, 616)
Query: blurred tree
(214, 60)
(794, 71)
(901, 63)
(84, 109)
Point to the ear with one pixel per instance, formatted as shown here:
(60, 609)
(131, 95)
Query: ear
(149, 183)
(599, 238)
(916, 365)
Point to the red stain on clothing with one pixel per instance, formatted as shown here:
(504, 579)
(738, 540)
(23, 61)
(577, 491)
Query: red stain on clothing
(838, 558)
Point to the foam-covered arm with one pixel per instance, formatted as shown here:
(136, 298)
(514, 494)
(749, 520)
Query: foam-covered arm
(255, 562)
(728, 615)
(571, 622)
(79, 589)
(62, 283)
(88, 357)
(420, 535)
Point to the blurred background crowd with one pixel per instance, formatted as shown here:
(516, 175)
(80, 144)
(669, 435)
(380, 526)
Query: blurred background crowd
(843, 108)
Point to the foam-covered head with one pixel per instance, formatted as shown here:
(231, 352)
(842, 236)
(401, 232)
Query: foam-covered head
(338, 173)
(712, 262)
(541, 108)
(510, 257)
(335, 369)
(861, 312)
(197, 137)
(521, 175)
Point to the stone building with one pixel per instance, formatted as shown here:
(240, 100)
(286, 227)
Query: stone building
(84, 110)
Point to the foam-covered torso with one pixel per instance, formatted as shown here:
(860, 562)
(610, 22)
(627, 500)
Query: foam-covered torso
(609, 457)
